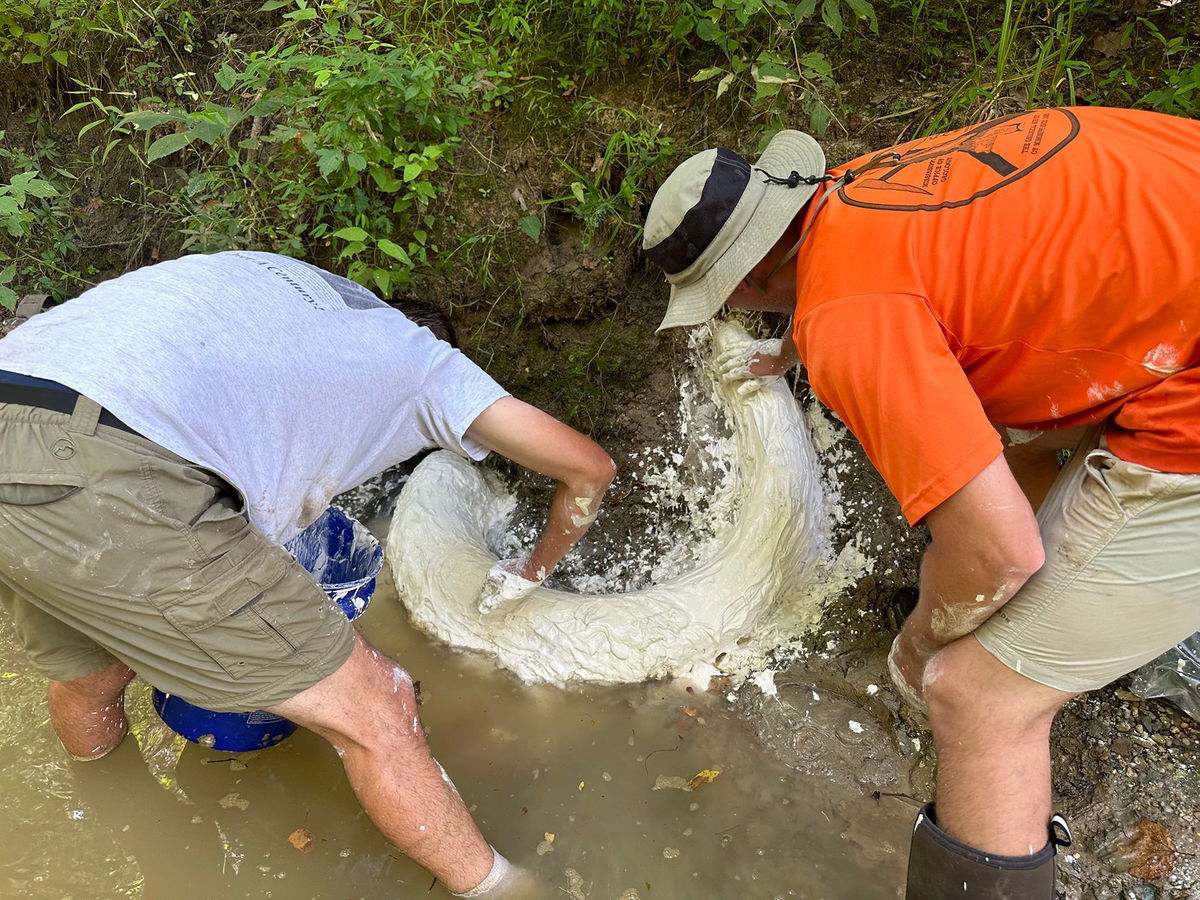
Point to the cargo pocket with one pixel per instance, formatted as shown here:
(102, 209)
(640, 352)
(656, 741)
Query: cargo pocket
(39, 465)
(219, 607)
(27, 490)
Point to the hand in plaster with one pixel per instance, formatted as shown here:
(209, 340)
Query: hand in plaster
(506, 581)
(755, 363)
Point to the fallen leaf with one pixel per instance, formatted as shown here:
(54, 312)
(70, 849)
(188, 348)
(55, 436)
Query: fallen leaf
(1112, 43)
(302, 840)
(671, 782)
(549, 835)
(581, 784)
(1153, 851)
(234, 799)
(689, 711)
(700, 779)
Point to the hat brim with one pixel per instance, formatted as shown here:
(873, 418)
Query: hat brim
(786, 152)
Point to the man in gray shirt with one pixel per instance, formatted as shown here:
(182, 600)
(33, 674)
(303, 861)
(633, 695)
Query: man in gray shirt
(162, 435)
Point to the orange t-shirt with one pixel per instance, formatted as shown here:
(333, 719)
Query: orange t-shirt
(1038, 271)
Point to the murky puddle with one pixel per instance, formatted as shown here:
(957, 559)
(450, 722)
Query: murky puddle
(562, 781)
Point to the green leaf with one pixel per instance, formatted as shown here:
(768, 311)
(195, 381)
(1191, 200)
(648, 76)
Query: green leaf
(724, 83)
(816, 63)
(60, 57)
(864, 10)
(683, 28)
(383, 280)
(765, 89)
(168, 144)
(577, 191)
(351, 233)
(328, 161)
(38, 39)
(773, 73)
(708, 30)
(532, 226)
(301, 15)
(818, 118)
(226, 77)
(413, 170)
(39, 188)
(705, 74)
(275, 4)
(8, 299)
(145, 119)
(30, 59)
(394, 250)
(831, 15)
(385, 179)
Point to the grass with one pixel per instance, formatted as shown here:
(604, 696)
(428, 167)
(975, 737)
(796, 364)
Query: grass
(333, 129)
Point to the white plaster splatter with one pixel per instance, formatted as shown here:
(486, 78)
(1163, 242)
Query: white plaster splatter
(1165, 359)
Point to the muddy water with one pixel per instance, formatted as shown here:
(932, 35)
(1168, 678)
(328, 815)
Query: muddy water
(161, 818)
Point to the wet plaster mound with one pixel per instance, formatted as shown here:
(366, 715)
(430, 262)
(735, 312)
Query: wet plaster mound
(451, 515)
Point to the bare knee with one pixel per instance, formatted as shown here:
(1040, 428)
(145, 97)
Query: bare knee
(968, 689)
(372, 708)
(102, 688)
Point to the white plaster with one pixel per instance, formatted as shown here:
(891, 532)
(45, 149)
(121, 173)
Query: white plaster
(764, 558)
(1165, 359)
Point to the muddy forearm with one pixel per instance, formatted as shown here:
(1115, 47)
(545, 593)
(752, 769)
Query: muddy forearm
(958, 594)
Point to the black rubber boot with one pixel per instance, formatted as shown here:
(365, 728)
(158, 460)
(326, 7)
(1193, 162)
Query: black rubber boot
(941, 868)
(901, 605)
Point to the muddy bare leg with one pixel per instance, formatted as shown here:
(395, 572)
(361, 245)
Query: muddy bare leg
(88, 714)
(368, 711)
(991, 726)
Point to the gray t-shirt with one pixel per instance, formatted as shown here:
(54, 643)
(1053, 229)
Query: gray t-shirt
(291, 383)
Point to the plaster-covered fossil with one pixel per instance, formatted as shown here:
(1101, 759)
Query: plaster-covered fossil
(439, 551)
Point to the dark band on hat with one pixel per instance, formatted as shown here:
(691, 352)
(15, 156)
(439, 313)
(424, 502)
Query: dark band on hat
(726, 182)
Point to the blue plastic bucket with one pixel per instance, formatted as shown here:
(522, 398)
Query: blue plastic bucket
(345, 559)
(224, 731)
(343, 556)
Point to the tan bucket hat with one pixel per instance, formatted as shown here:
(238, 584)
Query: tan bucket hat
(717, 215)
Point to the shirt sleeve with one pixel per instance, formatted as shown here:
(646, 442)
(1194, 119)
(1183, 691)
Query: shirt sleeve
(884, 365)
(455, 392)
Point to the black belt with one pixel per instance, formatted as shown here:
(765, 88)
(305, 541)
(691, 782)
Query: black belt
(39, 392)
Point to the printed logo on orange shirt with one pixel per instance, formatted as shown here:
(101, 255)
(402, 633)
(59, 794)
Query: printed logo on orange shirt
(984, 158)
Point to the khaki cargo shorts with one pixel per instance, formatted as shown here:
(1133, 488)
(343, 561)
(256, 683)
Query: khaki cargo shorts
(112, 548)
(1121, 581)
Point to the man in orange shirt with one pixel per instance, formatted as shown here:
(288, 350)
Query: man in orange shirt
(1038, 276)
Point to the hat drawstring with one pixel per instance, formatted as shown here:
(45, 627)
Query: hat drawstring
(793, 180)
(885, 158)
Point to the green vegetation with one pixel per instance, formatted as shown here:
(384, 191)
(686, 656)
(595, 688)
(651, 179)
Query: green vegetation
(345, 130)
